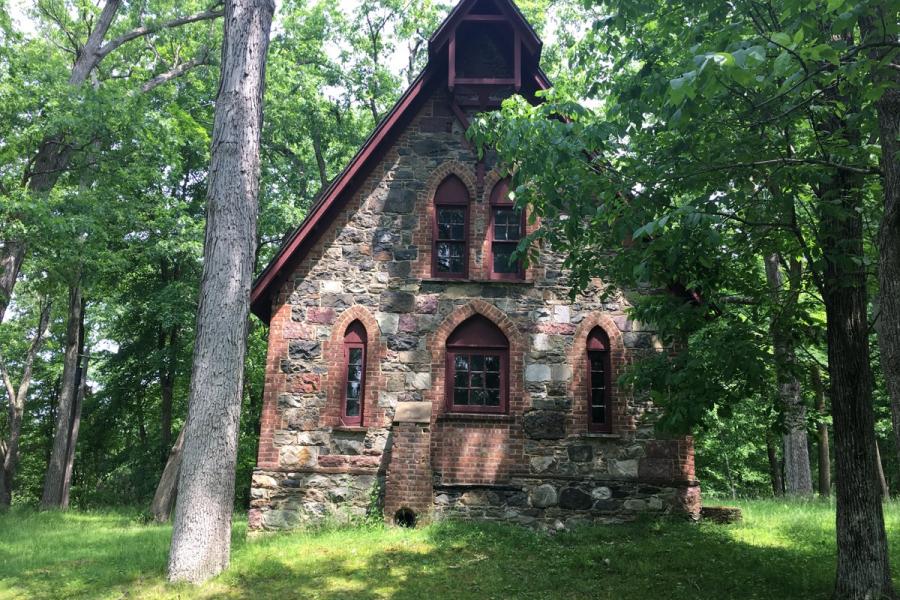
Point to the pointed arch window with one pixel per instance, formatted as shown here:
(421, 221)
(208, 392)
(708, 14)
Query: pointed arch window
(352, 404)
(505, 232)
(450, 251)
(598, 381)
(477, 370)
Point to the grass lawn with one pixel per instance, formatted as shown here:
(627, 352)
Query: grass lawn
(781, 550)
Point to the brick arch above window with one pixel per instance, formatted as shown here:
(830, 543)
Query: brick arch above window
(423, 234)
(621, 421)
(334, 379)
(437, 342)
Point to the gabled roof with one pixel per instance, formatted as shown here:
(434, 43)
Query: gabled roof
(332, 200)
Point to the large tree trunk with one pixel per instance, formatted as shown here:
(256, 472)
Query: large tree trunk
(863, 570)
(164, 498)
(201, 535)
(824, 450)
(53, 480)
(774, 465)
(888, 109)
(797, 472)
(17, 400)
(74, 425)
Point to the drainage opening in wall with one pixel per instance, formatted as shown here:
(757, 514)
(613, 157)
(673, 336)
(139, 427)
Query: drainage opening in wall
(405, 518)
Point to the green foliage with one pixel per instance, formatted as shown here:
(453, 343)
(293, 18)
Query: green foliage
(780, 550)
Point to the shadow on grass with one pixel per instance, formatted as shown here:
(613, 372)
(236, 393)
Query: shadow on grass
(51, 555)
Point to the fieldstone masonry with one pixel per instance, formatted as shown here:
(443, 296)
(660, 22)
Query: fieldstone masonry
(537, 464)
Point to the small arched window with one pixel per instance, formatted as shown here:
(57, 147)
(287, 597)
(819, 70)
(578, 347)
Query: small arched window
(354, 374)
(477, 371)
(598, 388)
(450, 250)
(506, 231)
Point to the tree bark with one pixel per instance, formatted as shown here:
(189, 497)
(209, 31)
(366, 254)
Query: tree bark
(774, 466)
(201, 534)
(16, 409)
(863, 570)
(888, 110)
(74, 425)
(882, 482)
(797, 472)
(164, 498)
(320, 160)
(167, 347)
(53, 480)
(12, 253)
(824, 450)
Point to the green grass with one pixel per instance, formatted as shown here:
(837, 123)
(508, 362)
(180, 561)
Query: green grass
(780, 550)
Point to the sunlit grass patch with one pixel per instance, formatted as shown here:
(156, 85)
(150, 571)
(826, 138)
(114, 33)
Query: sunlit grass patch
(782, 549)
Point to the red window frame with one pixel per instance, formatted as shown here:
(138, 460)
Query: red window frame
(451, 193)
(500, 201)
(598, 349)
(354, 338)
(480, 337)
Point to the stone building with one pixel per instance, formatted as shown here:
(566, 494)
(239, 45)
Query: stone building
(413, 368)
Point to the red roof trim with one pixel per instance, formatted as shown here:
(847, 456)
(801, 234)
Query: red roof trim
(328, 199)
(260, 296)
(507, 7)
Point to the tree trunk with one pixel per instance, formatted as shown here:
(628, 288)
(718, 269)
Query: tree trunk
(167, 347)
(12, 253)
(882, 482)
(797, 472)
(320, 160)
(74, 426)
(164, 498)
(774, 466)
(201, 534)
(824, 450)
(17, 400)
(53, 481)
(863, 570)
(888, 110)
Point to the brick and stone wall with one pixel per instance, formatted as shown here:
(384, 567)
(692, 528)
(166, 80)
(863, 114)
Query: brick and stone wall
(537, 464)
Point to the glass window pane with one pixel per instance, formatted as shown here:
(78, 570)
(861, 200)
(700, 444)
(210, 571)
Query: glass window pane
(493, 397)
(352, 407)
(353, 389)
(355, 356)
(502, 256)
(461, 379)
(449, 257)
(598, 414)
(492, 363)
(462, 362)
(478, 362)
(479, 397)
(451, 223)
(492, 381)
(597, 379)
(461, 396)
(477, 380)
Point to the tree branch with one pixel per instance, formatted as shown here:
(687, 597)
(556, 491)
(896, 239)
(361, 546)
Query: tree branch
(176, 71)
(148, 29)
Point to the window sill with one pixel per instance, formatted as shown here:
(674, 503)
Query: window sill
(472, 416)
(466, 280)
(351, 428)
(601, 436)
